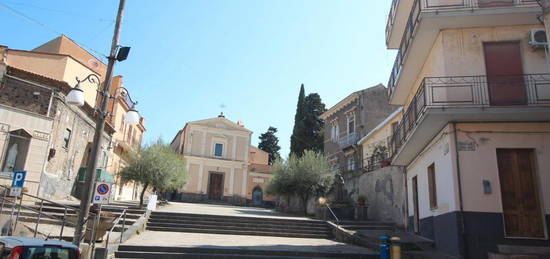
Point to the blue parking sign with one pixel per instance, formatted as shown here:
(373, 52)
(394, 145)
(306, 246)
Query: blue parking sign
(18, 179)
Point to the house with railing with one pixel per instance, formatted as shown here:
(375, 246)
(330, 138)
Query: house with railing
(474, 81)
(350, 120)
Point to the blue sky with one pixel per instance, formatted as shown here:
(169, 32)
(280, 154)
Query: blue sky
(189, 57)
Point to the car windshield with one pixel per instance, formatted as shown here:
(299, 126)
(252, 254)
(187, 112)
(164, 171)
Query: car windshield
(49, 252)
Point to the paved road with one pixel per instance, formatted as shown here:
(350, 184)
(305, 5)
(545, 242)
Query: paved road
(226, 210)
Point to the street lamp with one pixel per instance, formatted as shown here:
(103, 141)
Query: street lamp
(132, 116)
(76, 97)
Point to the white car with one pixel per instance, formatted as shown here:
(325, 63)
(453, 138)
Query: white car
(35, 248)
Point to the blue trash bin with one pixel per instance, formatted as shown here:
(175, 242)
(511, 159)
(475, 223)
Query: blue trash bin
(384, 247)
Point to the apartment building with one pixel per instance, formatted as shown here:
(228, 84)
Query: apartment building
(216, 152)
(474, 138)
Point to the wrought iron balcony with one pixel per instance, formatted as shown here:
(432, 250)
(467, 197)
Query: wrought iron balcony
(376, 161)
(471, 92)
(391, 19)
(348, 140)
(435, 7)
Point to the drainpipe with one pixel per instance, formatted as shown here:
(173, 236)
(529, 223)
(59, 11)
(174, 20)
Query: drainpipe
(545, 19)
(545, 4)
(461, 200)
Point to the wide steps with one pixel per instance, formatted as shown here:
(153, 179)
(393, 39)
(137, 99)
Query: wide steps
(161, 223)
(235, 225)
(187, 216)
(247, 228)
(241, 232)
(154, 252)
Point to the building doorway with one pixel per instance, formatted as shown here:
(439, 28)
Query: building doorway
(521, 204)
(416, 216)
(257, 196)
(505, 79)
(215, 186)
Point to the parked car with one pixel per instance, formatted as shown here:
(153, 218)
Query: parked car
(36, 248)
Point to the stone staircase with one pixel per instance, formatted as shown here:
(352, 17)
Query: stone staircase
(158, 252)
(233, 225)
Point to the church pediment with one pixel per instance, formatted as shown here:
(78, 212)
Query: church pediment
(220, 123)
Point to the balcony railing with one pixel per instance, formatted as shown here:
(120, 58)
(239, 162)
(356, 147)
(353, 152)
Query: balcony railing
(471, 91)
(391, 19)
(376, 161)
(436, 6)
(348, 140)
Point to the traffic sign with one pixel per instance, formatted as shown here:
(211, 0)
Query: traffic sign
(102, 193)
(18, 178)
(17, 183)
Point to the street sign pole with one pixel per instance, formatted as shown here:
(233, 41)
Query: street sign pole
(18, 180)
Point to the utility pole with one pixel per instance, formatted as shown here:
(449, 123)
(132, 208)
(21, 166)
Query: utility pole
(87, 193)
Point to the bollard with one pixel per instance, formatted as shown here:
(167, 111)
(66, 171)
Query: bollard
(395, 248)
(384, 247)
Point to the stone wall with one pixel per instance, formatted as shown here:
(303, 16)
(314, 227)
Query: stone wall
(385, 192)
(295, 205)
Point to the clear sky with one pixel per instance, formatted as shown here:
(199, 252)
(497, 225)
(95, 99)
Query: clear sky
(190, 56)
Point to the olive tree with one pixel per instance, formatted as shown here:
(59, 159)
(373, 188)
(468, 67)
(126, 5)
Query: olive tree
(307, 176)
(155, 167)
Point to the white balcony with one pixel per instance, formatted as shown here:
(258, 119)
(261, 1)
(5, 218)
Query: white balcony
(441, 100)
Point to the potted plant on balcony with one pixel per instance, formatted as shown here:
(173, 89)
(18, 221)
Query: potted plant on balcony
(380, 154)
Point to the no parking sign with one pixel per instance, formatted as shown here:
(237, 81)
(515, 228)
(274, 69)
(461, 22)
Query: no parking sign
(102, 192)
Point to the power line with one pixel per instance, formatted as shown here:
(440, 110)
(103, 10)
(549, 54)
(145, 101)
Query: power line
(78, 15)
(24, 17)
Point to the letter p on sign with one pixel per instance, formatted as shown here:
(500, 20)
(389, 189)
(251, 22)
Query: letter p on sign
(18, 179)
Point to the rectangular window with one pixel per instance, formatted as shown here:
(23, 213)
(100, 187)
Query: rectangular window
(351, 164)
(351, 124)
(218, 150)
(432, 189)
(66, 138)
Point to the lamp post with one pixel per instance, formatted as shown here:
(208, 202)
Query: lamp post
(76, 96)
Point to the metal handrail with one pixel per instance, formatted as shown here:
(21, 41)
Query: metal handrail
(40, 213)
(332, 212)
(42, 199)
(123, 217)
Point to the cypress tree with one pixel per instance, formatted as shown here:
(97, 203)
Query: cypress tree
(299, 138)
(270, 144)
(313, 123)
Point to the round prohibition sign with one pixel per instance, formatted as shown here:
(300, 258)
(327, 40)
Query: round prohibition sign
(103, 189)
